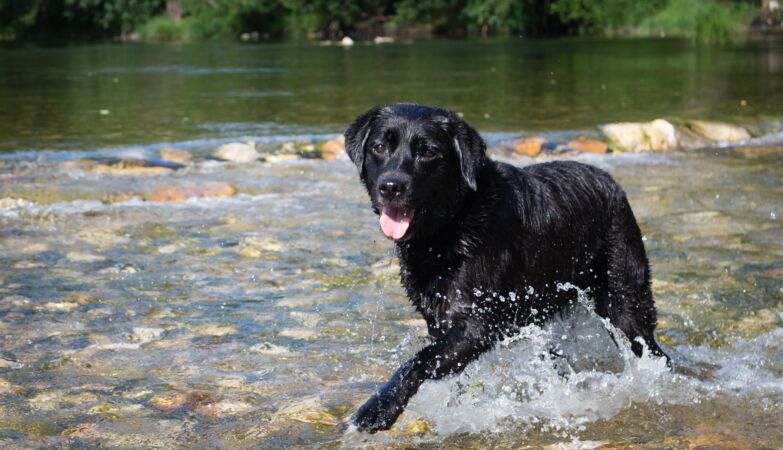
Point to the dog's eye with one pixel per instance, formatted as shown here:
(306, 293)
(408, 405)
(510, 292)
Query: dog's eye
(427, 152)
(379, 148)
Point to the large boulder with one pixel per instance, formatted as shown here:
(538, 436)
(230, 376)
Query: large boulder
(718, 131)
(236, 152)
(658, 135)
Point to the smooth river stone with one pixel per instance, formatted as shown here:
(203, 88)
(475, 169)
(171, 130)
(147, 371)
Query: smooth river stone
(236, 152)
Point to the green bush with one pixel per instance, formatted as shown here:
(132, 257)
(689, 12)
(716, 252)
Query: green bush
(161, 27)
(708, 21)
(703, 20)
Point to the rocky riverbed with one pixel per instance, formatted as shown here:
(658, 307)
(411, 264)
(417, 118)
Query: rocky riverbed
(241, 296)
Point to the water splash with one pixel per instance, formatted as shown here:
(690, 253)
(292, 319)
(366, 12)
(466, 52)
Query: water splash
(556, 377)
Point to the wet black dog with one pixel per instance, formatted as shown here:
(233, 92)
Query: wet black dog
(483, 245)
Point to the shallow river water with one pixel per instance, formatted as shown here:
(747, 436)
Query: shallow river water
(265, 319)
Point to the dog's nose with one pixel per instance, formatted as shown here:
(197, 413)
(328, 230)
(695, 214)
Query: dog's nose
(391, 188)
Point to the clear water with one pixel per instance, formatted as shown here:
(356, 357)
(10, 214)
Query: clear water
(264, 320)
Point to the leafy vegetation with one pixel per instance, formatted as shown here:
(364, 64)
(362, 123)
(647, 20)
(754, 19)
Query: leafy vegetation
(704, 20)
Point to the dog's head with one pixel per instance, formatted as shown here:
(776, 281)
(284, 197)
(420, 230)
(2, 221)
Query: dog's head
(418, 163)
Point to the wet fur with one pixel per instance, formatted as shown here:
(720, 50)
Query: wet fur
(490, 242)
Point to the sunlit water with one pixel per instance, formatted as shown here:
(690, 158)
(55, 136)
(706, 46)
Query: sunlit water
(264, 320)
(271, 316)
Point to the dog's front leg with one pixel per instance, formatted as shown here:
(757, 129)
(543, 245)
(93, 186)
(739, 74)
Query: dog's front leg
(449, 354)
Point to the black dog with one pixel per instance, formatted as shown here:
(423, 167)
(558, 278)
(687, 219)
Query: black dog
(483, 245)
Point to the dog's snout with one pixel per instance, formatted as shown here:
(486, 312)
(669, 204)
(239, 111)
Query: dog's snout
(392, 187)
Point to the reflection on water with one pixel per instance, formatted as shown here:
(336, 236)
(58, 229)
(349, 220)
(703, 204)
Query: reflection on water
(265, 319)
(110, 95)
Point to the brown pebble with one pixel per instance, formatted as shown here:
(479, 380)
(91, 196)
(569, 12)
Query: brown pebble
(586, 145)
(529, 146)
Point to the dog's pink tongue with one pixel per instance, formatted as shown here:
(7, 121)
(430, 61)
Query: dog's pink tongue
(395, 221)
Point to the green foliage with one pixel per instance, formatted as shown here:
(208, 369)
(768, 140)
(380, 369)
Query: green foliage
(589, 16)
(162, 27)
(42, 19)
(444, 16)
(709, 21)
(704, 20)
(496, 14)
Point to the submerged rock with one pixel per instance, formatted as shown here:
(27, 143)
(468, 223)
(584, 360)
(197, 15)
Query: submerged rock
(307, 410)
(8, 388)
(256, 247)
(267, 348)
(717, 441)
(719, 131)
(9, 362)
(333, 148)
(237, 152)
(14, 203)
(298, 333)
(15, 302)
(417, 427)
(177, 400)
(580, 445)
(143, 335)
(309, 320)
(212, 329)
(81, 431)
(587, 145)
(182, 193)
(134, 167)
(60, 306)
(223, 408)
(118, 197)
(658, 135)
(83, 257)
(170, 401)
(176, 155)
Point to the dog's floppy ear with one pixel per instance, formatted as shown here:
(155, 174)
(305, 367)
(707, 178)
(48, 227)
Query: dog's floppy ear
(471, 150)
(356, 136)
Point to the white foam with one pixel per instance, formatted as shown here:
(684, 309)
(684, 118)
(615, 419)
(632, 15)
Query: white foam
(570, 373)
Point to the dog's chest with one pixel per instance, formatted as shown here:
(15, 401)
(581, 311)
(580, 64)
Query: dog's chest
(430, 282)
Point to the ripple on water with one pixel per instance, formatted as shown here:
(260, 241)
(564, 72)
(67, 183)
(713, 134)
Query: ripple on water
(267, 318)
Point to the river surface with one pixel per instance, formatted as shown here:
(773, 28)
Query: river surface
(265, 319)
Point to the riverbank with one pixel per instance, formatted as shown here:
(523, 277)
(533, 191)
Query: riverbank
(706, 21)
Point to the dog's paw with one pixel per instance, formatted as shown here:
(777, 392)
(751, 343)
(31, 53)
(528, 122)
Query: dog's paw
(376, 414)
